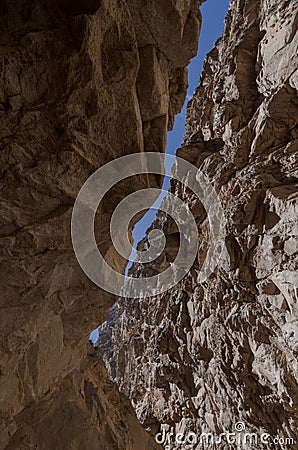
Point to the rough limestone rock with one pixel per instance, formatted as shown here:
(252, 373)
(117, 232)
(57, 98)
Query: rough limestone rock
(82, 83)
(205, 356)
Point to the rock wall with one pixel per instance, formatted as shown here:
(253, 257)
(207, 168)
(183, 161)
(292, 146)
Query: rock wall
(205, 356)
(82, 83)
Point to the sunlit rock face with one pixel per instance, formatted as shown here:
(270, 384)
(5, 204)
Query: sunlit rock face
(205, 356)
(82, 83)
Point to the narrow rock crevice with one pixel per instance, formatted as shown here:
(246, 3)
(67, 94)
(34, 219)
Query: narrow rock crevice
(206, 355)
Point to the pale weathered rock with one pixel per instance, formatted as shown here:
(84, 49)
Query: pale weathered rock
(207, 355)
(72, 98)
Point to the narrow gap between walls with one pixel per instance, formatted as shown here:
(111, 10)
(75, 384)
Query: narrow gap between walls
(213, 12)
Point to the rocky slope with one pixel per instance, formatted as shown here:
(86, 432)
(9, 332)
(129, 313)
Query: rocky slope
(205, 356)
(82, 83)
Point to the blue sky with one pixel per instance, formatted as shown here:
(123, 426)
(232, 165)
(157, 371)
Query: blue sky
(213, 12)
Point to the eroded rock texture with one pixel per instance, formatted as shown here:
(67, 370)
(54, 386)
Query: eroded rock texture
(207, 355)
(82, 83)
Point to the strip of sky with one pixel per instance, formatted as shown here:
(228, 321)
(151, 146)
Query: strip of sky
(213, 12)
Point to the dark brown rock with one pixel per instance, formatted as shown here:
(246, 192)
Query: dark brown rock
(72, 98)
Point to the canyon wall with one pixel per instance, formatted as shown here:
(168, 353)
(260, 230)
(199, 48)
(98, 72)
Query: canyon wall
(207, 355)
(82, 83)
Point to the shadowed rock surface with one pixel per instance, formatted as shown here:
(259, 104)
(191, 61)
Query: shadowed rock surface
(82, 83)
(205, 356)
